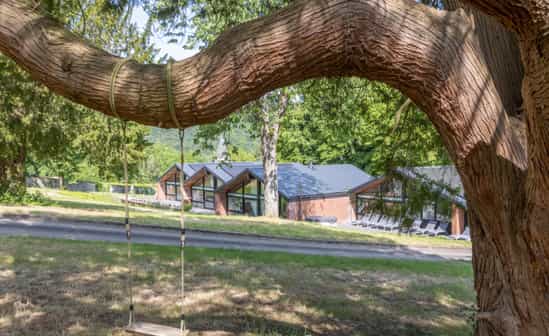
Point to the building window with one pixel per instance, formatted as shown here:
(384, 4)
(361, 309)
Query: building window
(440, 210)
(282, 207)
(235, 202)
(203, 192)
(247, 199)
(385, 203)
(386, 198)
(251, 188)
(171, 188)
(209, 200)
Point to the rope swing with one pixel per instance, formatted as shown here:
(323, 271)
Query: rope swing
(171, 108)
(133, 326)
(182, 326)
(127, 224)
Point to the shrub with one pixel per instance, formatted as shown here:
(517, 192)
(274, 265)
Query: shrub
(24, 198)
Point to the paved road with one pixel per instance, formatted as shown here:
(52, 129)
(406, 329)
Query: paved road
(51, 228)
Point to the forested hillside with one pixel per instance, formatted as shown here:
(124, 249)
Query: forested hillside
(238, 138)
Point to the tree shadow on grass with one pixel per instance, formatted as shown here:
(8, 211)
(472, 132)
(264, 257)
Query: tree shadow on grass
(53, 287)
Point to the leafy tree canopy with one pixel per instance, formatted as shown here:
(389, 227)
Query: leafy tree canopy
(42, 133)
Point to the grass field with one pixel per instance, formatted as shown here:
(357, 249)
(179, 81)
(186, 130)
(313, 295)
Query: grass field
(106, 207)
(56, 287)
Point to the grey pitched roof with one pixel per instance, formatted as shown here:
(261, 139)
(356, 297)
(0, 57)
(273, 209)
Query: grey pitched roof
(224, 171)
(440, 177)
(296, 180)
(188, 169)
(227, 171)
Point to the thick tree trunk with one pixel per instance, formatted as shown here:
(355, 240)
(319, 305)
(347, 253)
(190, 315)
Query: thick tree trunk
(511, 249)
(503, 300)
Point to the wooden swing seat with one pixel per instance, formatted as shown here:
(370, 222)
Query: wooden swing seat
(150, 329)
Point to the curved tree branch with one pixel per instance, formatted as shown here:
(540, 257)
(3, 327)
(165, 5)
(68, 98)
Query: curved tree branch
(428, 54)
(389, 40)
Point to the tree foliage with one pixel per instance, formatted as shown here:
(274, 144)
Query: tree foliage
(42, 133)
(355, 121)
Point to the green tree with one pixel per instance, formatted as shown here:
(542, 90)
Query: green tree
(357, 121)
(34, 126)
(45, 134)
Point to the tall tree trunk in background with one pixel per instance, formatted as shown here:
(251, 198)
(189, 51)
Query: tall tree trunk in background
(273, 108)
(221, 151)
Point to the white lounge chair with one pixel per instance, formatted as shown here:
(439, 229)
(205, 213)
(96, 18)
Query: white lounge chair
(431, 227)
(466, 235)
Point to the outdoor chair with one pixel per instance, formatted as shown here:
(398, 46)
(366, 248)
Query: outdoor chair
(375, 221)
(372, 221)
(416, 225)
(392, 224)
(466, 235)
(421, 227)
(397, 225)
(388, 223)
(366, 220)
(411, 227)
(442, 229)
(378, 222)
(430, 228)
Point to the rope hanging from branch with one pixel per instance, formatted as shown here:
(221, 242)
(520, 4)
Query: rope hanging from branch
(169, 89)
(114, 74)
(171, 108)
(182, 227)
(128, 227)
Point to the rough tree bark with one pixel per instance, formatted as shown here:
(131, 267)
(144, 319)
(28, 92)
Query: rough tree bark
(270, 127)
(434, 57)
(502, 55)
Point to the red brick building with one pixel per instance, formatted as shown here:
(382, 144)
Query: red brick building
(338, 193)
(319, 192)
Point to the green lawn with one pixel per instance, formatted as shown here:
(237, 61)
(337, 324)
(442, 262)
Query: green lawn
(106, 207)
(54, 287)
